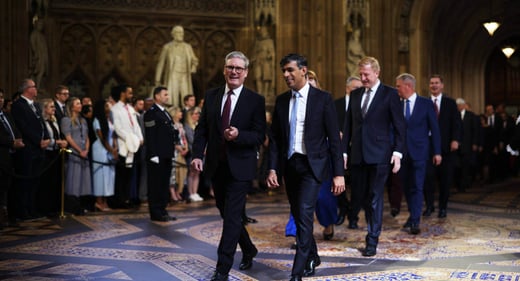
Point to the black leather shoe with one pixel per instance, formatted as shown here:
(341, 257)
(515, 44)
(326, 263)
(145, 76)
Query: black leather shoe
(328, 236)
(164, 218)
(310, 268)
(407, 224)
(296, 278)
(352, 225)
(340, 220)
(394, 212)
(428, 212)
(247, 260)
(414, 229)
(442, 213)
(369, 251)
(294, 246)
(217, 276)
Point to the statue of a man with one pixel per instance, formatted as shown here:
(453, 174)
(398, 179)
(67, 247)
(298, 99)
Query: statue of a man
(39, 53)
(355, 52)
(263, 63)
(176, 64)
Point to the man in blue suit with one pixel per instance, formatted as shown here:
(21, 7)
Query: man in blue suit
(230, 130)
(373, 138)
(421, 123)
(305, 145)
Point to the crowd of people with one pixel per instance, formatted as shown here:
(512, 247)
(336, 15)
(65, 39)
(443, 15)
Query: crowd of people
(333, 157)
(104, 151)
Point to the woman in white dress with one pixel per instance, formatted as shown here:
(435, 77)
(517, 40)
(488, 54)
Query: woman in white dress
(104, 155)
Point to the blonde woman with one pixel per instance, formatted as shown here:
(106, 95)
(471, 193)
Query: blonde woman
(179, 170)
(191, 120)
(78, 178)
(50, 189)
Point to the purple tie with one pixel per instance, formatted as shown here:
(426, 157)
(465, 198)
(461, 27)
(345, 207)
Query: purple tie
(226, 112)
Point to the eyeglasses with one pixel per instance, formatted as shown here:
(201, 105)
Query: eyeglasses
(237, 69)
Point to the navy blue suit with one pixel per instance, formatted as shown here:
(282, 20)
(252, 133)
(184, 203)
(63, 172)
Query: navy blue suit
(304, 174)
(231, 165)
(369, 142)
(421, 124)
(28, 159)
(160, 139)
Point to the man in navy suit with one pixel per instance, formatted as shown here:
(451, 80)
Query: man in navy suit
(61, 94)
(28, 160)
(373, 137)
(422, 133)
(305, 160)
(450, 126)
(160, 138)
(231, 128)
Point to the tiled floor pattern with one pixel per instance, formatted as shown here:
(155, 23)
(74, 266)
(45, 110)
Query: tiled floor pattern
(480, 240)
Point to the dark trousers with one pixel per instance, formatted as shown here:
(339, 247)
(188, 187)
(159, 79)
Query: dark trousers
(124, 176)
(159, 187)
(369, 181)
(302, 191)
(443, 174)
(49, 193)
(413, 173)
(230, 197)
(343, 202)
(28, 163)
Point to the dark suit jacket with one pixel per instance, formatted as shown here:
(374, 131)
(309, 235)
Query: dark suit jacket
(450, 123)
(421, 124)
(160, 135)
(6, 143)
(373, 139)
(470, 134)
(340, 111)
(59, 112)
(248, 117)
(321, 134)
(31, 125)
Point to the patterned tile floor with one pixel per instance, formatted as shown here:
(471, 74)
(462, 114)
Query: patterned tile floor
(479, 240)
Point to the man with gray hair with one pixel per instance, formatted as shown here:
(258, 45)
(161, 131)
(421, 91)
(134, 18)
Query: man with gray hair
(422, 133)
(467, 156)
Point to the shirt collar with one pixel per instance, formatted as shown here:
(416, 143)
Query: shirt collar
(236, 91)
(30, 102)
(304, 91)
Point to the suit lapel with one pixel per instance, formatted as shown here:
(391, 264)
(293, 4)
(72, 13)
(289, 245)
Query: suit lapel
(218, 105)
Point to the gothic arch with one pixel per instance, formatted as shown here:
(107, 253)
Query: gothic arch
(114, 50)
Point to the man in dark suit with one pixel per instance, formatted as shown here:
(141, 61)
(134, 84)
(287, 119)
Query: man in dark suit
(230, 130)
(61, 94)
(160, 139)
(10, 139)
(28, 118)
(341, 108)
(451, 133)
(467, 156)
(422, 134)
(374, 136)
(305, 145)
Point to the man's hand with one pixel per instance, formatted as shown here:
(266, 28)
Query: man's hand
(338, 185)
(230, 133)
(397, 164)
(454, 145)
(272, 179)
(45, 143)
(196, 164)
(18, 143)
(437, 159)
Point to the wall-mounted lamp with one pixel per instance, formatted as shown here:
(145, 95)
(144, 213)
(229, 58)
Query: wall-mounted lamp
(508, 51)
(491, 26)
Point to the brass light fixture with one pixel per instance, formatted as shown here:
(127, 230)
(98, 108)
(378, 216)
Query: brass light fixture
(508, 51)
(491, 27)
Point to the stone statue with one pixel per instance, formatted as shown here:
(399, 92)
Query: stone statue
(355, 53)
(39, 52)
(176, 64)
(263, 63)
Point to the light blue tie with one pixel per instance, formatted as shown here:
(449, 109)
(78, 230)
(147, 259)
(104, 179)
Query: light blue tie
(407, 110)
(292, 124)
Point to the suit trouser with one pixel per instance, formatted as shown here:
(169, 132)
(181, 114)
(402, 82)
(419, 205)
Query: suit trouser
(230, 198)
(370, 181)
(302, 191)
(159, 186)
(413, 174)
(444, 174)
